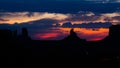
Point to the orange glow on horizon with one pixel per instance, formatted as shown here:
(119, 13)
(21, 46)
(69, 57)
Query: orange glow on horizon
(95, 39)
(89, 34)
(47, 35)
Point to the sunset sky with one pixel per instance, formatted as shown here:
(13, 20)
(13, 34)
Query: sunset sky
(42, 17)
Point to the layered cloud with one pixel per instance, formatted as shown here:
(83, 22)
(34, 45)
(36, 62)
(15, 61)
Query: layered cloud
(20, 17)
(78, 18)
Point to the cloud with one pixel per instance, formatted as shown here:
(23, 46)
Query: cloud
(116, 18)
(111, 14)
(3, 19)
(87, 17)
(83, 17)
(87, 25)
(19, 17)
(39, 24)
(77, 18)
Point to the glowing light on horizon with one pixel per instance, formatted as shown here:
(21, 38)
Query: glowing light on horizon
(47, 35)
(89, 34)
(85, 33)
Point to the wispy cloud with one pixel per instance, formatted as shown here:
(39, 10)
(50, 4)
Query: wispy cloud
(3, 19)
(20, 17)
(80, 17)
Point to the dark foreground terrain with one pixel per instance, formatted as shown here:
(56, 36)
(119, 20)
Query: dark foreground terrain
(23, 50)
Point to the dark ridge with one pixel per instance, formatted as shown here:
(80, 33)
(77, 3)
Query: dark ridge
(106, 51)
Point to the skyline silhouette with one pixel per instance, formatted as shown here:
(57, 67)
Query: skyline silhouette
(72, 45)
(8, 34)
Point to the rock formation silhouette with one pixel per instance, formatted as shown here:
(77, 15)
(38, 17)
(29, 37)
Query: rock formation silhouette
(73, 37)
(24, 32)
(8, 35)
(24, 36)
(115, 31)
(114, 34)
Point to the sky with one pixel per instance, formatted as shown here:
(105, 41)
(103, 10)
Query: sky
(44, 18)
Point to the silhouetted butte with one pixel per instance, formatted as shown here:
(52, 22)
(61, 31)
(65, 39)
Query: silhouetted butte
(24, 36)
(114, 34)
(73, 37)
